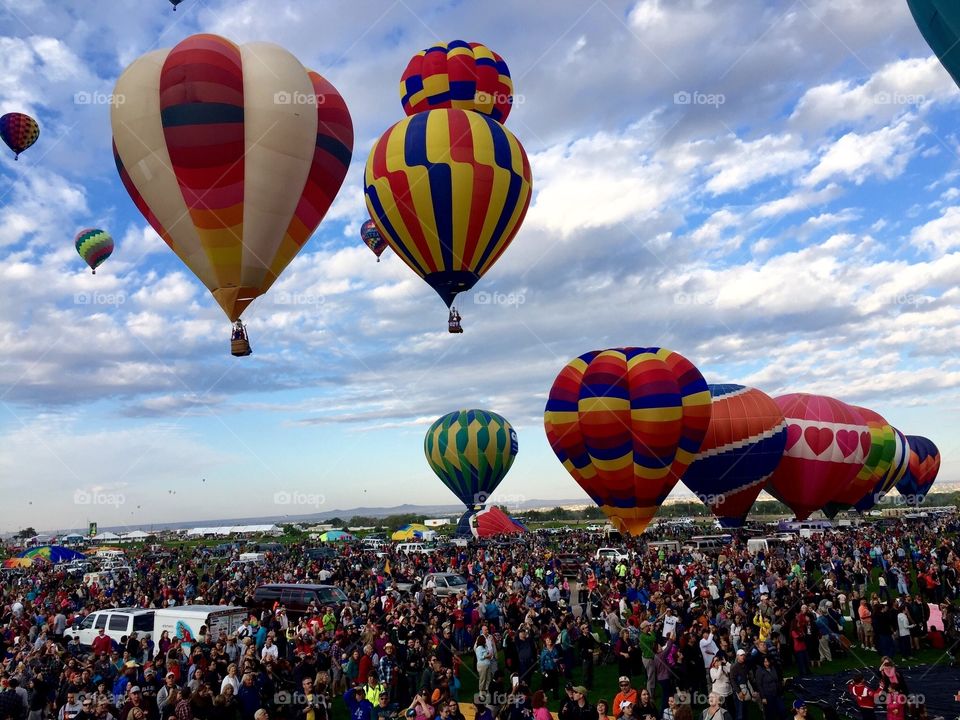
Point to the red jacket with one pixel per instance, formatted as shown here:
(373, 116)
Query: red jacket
(863, 694)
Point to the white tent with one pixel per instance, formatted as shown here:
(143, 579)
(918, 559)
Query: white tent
(106, 537)
(227, 530)
(134, 536)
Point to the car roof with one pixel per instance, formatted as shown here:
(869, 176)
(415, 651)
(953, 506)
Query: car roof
(288, 586)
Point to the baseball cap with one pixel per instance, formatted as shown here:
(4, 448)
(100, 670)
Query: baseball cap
(625, 703)
(135, 689)
(740, 652)
(797, 704)
(580, 689)
(624, 678)
(568, 686)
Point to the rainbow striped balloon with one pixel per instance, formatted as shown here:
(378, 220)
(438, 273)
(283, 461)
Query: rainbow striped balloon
(894, 474)
(626, 423)
(458, 74)
(94, 246)
(922, 469)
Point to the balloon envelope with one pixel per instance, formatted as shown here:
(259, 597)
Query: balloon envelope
(922, 469)
(626, 423)
(372, 238)
(448, 190)
(827, 441)
(876, 464)
(94, 246)
(895, 473)
(18, 131)
(471, 451)
(742, 447)
(233, 154)
(939, 23)
(458, 74)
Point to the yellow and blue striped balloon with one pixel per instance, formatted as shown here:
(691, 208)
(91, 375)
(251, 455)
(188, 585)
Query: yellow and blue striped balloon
(94, 246)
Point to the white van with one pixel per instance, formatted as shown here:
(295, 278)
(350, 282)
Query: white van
(117, 622)
(668, 546)
(765, 545)
(257, 558)
(186, 621)
(412, 549)
(114, 554)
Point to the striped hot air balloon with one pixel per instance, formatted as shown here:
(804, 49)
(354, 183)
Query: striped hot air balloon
(372, 238)
(626, 423)
(898, 467)
(234, 154)
(827, 441)
(743, 446)
(471, 451)
(922, 469)
(876, 465)
(448, 190)
(94, 246)
(458, 74)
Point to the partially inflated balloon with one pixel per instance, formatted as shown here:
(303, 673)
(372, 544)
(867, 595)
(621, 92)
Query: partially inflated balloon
(827, 441)
(18, 131)
(233, 154)
(458, 74)
(471, 451)
(448, 190)
(743, 446)
(898, 467)
(626, 423)
(94, 246)
(922, 469)
(876, 465)
(372, 238)
(939, 23)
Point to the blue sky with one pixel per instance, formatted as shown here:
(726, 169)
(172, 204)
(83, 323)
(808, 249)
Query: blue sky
(766, 188)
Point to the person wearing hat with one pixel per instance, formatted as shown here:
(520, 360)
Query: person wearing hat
(742, 684)
(627, 693)
(799, 710)
(583, 709)
(569, 710)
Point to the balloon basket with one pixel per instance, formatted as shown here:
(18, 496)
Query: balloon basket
(240, 348)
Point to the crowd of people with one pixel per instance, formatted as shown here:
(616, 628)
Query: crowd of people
(714, 633)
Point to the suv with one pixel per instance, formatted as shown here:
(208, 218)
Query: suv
(320, 553)
(118, 623)
(612, 554)
(413, 548)
(445, 584)
(297, 597)
(569, 564)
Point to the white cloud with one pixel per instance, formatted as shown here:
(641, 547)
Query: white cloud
(883, 153)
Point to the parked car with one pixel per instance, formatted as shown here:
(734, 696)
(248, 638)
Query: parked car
(297, 597)
(612, 554)
(117, 623)
(444, 584)
(569, 564)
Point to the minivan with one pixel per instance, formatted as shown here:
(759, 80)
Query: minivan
(297, 597)
(117, 622)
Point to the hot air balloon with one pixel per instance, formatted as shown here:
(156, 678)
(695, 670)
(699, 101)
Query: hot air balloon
(448, 190)
(94, 246)
(175, 3)
(922, 469)
(827, 441)
(626, 423)
(371, 236)
(876, 465)
(233, 153)
(19, 132)
(742, 448)
(471, 451)
(898, 467)
(939, 23)
(458, 74)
